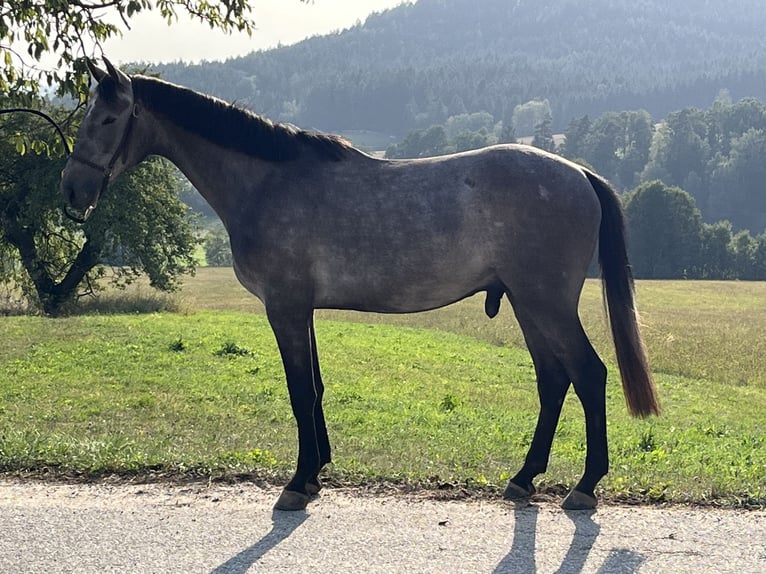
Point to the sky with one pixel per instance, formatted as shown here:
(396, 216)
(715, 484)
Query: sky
(278, 22)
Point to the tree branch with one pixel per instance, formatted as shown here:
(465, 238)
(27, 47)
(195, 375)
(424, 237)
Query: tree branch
(89, 6)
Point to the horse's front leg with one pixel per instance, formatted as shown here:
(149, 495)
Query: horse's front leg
(314, 485)
(293, 333)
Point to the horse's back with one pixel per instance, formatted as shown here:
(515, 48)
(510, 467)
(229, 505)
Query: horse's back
(506, 198)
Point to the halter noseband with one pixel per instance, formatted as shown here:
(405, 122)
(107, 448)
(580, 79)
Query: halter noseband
(105, 170)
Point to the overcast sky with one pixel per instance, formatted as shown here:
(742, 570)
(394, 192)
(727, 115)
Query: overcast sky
(278, 21)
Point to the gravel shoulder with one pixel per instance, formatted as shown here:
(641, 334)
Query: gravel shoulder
(226, 529)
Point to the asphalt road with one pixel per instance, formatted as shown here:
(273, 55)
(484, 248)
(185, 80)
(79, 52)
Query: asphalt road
(232, 529)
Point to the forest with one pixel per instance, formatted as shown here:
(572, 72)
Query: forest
(418, 64)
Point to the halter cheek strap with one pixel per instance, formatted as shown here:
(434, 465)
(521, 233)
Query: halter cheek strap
(107, 170)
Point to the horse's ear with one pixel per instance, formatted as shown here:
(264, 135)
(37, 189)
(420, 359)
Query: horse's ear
(97, 73)
(116, 74)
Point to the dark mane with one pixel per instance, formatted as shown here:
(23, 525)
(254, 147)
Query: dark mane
(233, 127)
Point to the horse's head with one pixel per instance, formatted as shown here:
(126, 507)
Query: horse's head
(102, 146)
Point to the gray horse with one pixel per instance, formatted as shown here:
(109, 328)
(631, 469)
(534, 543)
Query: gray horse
(315, 223)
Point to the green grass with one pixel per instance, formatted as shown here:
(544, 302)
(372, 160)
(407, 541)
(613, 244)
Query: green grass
(711, 330)
(440, 397)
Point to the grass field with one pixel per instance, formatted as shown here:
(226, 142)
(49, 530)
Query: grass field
(441, 397)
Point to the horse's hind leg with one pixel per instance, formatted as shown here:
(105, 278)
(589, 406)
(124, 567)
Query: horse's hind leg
(552, 385)
(563, 353)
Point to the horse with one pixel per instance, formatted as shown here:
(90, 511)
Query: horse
(315, 223)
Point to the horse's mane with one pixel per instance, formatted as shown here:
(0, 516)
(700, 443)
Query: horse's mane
(233, 127)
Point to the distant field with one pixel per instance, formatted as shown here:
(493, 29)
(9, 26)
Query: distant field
(708, 329)
(448, 399)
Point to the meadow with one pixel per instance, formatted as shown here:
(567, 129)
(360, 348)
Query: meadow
(443, 400)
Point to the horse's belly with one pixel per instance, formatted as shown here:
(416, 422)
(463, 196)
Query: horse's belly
(395, 292)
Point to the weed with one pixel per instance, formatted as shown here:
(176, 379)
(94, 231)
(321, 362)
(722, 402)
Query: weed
(448, 404)
(647, 442)
(229, 348)
(179, 345)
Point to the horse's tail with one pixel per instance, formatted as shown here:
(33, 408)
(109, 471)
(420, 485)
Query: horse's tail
(619, 293)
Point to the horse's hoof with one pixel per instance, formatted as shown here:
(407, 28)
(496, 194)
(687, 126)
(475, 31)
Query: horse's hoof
(577, 500)
(291, 500)
(313, 488)
(518, 493)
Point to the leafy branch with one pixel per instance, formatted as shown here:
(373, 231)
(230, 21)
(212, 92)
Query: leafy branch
(68, 30)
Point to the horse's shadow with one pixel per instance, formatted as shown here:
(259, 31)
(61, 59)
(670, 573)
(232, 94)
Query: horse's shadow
(521, 557)
(283, 524)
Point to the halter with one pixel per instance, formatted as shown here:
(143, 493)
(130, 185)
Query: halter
(105, 170)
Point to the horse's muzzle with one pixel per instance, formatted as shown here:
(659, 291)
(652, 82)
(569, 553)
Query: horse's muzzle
(77, 218)
(72, 208)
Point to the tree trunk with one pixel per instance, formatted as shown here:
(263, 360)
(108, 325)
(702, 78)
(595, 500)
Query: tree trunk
(52, 295)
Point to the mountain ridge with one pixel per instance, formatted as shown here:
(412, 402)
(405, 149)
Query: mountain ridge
(417, 64)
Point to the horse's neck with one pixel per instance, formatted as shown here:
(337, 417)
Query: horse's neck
(220, 175)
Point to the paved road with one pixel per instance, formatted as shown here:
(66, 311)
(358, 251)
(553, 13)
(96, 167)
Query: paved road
(232, 530)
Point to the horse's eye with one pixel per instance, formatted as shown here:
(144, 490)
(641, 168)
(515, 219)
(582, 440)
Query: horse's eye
(109, 120)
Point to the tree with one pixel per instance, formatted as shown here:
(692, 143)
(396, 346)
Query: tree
(716, 256)
(140, 227)
(633, 150)
(421, 143)
(46, 255)
(507, 133)
(617, 144)
(465, 141)
(681, 152)
(32, 29)
(218, 249)
(575, 141)
(738, 192)
(665, 230)
(543, 137)
(475, 122)
(527, 116)
(745, 248)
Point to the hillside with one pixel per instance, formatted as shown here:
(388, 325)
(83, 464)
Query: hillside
(416, 65)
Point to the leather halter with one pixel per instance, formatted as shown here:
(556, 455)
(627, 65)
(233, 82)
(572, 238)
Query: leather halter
(105, 170)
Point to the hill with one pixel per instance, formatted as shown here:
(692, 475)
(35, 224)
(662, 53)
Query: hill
(417, 64)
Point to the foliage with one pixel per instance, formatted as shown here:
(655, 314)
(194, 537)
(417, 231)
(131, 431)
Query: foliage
(543, 137)
(42, 254)
(738, 189)
(715, 154)
(460, 133)
(616, 143)
(670, 241)
(528, 116)
(217, 248)
(140, 227)
(475, 122)
(665, 228)
(421, 143)
(416, 65)
(33, 29)
(521, 63)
